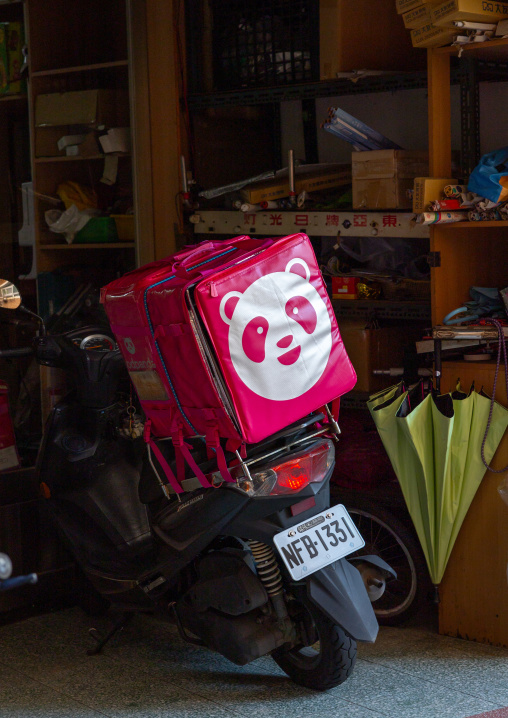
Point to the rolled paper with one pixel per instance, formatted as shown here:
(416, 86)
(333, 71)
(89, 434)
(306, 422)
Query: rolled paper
(441, 217)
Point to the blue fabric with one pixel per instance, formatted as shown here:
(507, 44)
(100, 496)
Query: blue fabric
(484, 179)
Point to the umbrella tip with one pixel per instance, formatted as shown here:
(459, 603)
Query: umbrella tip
(435, 597)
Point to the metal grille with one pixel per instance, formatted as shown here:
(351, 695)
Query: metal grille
(265, 42)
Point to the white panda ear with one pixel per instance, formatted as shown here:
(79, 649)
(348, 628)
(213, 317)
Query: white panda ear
(227, 314)
(303, 264)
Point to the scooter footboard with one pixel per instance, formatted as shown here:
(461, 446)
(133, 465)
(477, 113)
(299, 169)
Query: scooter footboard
(338, 590)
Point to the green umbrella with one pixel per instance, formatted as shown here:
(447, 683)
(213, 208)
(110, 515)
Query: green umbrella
(434, 445)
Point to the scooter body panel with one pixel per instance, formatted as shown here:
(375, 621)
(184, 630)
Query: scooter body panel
(91, 477)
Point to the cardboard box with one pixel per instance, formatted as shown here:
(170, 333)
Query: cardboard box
(403, 6)
(427, 190)
(93, 108)
(345, 287)
(432, 36)
(9, 458)
(371, 349)
(444, 14)
(307, 178)
(383, 179)
(417, 18)
(47, 141)
(363, 34)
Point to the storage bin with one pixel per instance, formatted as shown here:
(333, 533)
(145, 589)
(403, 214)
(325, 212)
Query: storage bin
(125, 227)
(97, 230)
(252, 43)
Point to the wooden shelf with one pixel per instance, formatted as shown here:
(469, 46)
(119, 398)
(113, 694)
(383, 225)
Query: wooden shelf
(383, 309)
(80, 68)
(91, 245)
(65, 158)
(14, 98)
(491, 50)
(461, 225)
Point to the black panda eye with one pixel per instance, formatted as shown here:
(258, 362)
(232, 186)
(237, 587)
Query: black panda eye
(302, 311)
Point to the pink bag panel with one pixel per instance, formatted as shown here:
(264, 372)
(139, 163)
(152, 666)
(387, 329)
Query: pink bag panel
(149, 317)
(275, 337)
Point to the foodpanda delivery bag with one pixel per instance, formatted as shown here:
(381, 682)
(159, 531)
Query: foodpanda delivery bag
(229, 340)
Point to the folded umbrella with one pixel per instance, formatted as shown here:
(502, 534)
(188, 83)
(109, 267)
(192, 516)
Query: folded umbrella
(434, 444)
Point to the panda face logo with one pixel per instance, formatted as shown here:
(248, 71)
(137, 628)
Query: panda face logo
(129, 345)
(280, 334)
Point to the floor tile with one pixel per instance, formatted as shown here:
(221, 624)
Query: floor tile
(472, 669)
(22, 697)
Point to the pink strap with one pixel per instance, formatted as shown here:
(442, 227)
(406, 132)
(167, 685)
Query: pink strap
(237, 445)
(213, 442)
(160, 458)
(183, 448)
(166, 467)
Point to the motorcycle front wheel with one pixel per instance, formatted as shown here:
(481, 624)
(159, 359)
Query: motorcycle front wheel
(328, 657)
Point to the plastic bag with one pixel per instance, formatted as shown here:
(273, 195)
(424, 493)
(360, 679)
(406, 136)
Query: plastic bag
(490, 176)
(67, 223)
(73, 193)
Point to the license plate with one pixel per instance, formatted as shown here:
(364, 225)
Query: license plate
(317, 542)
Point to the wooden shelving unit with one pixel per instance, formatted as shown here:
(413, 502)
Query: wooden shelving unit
(80, 68)
(474, 590)
(78, 47)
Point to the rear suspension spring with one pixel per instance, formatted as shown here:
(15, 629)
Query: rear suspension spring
(267, 566)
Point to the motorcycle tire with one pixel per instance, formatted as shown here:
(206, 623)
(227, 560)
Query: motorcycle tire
(327, 663)
(387, 537)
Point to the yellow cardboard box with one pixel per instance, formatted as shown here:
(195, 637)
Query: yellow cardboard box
(307, 178)
(403, 6)
(446, 13)
(417, 18)
(428, 189)
(432, 36)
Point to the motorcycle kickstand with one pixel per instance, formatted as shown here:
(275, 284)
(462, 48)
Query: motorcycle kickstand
(123, 621)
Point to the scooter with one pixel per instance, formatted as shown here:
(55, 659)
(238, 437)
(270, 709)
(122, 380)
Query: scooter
(255, 567)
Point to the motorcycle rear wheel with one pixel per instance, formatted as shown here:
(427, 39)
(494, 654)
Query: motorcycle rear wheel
(391, 540)
(328, 662)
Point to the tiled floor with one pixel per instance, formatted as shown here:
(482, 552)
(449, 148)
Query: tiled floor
(148, 672)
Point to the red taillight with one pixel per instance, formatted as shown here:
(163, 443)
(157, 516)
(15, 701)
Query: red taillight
(292, 475)
(305, 468)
